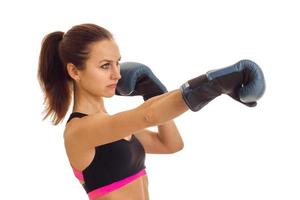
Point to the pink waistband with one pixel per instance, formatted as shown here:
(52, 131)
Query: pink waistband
(111, 187)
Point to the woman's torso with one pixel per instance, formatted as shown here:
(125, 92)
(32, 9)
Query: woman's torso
(113, 167)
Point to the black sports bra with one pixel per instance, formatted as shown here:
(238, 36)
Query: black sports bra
(114, 165)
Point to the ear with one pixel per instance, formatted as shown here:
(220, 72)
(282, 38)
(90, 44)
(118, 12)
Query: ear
(73, 71)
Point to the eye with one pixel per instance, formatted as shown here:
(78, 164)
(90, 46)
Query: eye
(105, 66)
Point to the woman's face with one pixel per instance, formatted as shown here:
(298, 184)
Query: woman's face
(102, 69)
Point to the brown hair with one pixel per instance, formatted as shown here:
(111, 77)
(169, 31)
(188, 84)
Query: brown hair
(59, 49)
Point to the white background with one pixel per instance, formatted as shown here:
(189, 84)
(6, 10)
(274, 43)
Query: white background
(231, 151)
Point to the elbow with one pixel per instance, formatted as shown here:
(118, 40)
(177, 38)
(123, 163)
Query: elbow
(176, 148)
(150, 117)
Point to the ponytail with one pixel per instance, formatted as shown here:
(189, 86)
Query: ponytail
(54, 79)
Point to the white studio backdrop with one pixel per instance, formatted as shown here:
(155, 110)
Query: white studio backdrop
(231, 151)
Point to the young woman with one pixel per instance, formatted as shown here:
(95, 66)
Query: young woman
(107, 152)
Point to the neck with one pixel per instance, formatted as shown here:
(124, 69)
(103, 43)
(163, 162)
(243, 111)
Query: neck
(85, 103)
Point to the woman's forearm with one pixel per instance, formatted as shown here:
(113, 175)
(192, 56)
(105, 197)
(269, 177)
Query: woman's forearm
(166, 107)
(170, 136)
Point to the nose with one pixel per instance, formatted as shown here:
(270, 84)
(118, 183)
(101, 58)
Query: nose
(115, 74)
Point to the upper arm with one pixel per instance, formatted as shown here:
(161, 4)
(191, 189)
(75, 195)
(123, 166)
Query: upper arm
(98, 129)
(151, 142)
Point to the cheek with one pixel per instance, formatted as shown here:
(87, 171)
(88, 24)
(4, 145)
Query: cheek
(95, 82)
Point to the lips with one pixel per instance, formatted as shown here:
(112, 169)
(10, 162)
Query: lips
(112, 85)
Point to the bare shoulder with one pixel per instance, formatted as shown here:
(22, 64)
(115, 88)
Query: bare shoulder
(79, 154)
(77, 125)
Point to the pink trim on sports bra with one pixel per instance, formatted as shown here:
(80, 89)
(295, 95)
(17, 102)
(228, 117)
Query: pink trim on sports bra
(111, 187)
(78, 174)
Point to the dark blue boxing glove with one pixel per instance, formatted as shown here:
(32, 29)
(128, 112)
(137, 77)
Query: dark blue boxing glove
(243, 81)
(138, 79)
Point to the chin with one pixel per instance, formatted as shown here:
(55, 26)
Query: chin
(109, 95)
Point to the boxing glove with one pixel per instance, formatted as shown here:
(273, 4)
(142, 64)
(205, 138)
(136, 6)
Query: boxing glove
(138, 79)
(243, 81)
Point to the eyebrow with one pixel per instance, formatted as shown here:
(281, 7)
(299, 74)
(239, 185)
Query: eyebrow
(106, 60)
